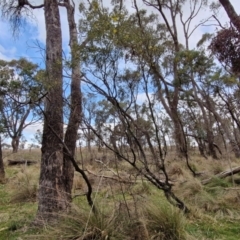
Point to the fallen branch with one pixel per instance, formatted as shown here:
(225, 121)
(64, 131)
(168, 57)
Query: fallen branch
(18, 162)
(222, 175)
(232, 189)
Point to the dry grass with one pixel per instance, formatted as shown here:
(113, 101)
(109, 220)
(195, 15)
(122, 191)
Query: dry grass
(24, 185)
(131, 208)
(163, 221)
(22, 154)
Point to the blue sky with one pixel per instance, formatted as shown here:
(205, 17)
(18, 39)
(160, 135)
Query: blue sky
(25, 45)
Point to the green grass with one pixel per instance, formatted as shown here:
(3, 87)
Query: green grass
(219, 230)
(126, 211)
(15, 219)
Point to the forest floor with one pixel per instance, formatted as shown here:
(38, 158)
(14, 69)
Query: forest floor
(128, 206)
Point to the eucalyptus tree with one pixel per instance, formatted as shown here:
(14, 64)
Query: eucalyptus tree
(2, 135)
(89, 112)
(165, 65)
(153, 39)
(107, 71)
(2, 171)
(225, 47)
(233, 16)
(125, 139)
(19, 88)
(56, 175)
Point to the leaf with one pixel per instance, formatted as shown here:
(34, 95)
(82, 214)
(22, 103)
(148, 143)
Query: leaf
(205, 37)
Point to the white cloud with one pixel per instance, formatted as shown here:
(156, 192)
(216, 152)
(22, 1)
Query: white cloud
(39, 22)
(141, 98)
(30, 130)
(7, 54)
(28, 133)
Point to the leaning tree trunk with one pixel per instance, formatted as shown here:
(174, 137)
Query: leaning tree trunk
(52, 197)
(234, 17)
(75, 105)
(15, 144)
(179, 135)
(2, 171)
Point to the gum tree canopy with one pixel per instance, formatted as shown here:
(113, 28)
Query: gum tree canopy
(18, 87)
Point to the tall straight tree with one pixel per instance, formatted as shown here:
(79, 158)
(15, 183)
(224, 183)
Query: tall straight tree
(2, 171)
(56, 175)
(71, 134)
(52, 197)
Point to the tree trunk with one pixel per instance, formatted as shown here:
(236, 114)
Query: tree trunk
(236, 143)
(179, 135)
(224, 125)
(71, 135)
(2, 171)
(52, 197)
(234, 17)
(15, 144)
(201, 147)
(89, 140)
(210, 136)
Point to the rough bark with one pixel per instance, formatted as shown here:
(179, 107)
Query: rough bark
(2, 171)
(180, 138)
(15, 144)
(234, 17)
(210, 139)
(52, 197)
(75, 105)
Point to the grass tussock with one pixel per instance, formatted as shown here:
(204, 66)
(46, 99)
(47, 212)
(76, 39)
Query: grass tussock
(83, 224)
(132, 209)
(164, 222)
(24, 186)
(156, 221)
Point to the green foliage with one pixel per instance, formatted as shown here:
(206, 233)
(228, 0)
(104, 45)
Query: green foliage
(20, 90)
(38, 136)
(205, 37)
(225, 46)
(20, 77)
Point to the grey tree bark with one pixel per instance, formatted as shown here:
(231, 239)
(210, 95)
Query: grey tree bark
(2, 171)
(52, 197)
(233, 16)
(71, 134)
